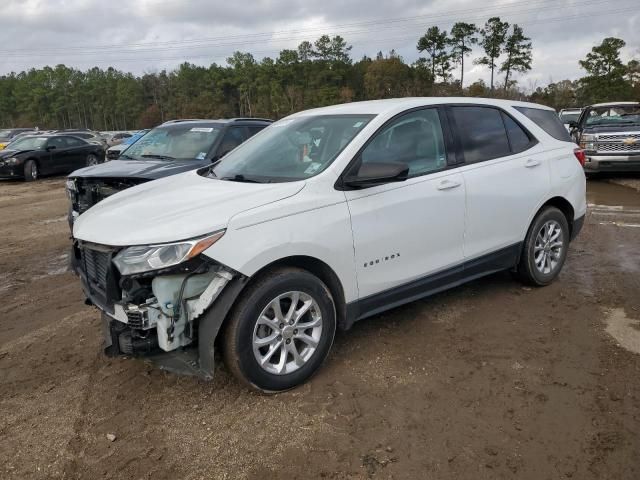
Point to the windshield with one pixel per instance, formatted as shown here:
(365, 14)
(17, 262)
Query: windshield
(569, 117)
(614, 115)
(27, 143)
(291, 149)
(175, 143)
(133, 138)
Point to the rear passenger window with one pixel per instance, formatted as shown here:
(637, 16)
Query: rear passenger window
(253, 130)
(547, 120)
(482, 133)
(518, 138)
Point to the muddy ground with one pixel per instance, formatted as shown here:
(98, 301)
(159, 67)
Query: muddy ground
(490, 380)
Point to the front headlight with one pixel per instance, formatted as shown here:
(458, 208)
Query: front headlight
(12, 161)
(588, 142)
(142, 259)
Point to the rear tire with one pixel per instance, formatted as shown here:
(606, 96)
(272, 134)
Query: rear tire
(92, 160)
(30, 171)
(545, 248)
(270, 346)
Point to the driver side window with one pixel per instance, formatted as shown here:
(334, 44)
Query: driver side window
(414, 139)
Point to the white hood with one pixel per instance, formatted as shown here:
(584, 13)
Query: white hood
(174, 208)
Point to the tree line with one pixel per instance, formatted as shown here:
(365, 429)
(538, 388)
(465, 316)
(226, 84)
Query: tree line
(313, 74)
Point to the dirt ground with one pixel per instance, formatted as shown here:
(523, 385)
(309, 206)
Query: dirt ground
(488, 381)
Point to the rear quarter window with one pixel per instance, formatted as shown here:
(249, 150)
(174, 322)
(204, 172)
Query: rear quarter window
(547, 120)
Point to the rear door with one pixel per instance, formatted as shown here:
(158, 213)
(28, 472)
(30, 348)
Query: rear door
(405, 232)
(78, 152)
(505, 177)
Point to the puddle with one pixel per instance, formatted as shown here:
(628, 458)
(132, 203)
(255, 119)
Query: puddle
(52, 220)
(56, 266)
(626, 331)
(621, 224)
(606, 196)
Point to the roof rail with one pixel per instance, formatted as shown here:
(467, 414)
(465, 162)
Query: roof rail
(241, 119)
(178, 120)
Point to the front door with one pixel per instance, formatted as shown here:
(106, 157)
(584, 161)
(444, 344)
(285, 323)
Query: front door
(408, 230)
(60, 156)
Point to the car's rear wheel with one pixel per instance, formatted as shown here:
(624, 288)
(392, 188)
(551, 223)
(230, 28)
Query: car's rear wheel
(545, 248)
(30, 171)
(92, 160)
(281, 330)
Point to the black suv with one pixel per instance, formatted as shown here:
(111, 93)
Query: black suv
(609, 133)
(174, 147)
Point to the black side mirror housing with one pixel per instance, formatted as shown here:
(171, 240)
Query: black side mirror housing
(573, 124)
(372, 174)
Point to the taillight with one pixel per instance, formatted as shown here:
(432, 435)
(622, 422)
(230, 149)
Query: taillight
(580, 155)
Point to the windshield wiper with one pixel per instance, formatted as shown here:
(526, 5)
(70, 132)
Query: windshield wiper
(161, 157)
(240, 178)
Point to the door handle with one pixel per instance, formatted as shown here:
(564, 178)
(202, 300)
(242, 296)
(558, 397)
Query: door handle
(448, 184)
(531, 163)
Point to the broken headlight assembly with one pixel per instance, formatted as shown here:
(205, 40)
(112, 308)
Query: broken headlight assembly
(140, 259)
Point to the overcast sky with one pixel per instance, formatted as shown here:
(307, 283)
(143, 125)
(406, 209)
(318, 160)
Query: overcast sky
(149, 35)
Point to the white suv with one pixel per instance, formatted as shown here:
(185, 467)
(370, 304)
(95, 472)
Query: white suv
(322, 219)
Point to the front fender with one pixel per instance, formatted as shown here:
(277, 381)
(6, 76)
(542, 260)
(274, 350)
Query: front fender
(211, 321)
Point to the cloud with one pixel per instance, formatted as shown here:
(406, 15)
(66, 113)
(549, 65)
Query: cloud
(143, 35)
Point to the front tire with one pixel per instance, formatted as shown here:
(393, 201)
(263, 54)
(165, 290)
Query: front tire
(281, 330)
(545, 248)
(30, 171)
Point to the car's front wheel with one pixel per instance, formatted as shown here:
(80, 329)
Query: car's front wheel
(30, 171)
(545, 248)
(281, 330)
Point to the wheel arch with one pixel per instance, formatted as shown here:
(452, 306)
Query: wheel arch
(564, 206)
(318, 268)
(214, 321)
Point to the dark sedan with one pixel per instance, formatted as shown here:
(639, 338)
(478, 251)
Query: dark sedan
(30, 157)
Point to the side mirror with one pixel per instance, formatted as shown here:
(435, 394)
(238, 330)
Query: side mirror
(573, 124)
(50, 147)
(372, 174)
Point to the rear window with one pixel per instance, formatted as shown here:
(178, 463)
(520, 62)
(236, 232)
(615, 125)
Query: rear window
(546, 120)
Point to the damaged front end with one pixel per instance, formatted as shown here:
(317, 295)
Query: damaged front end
(159, 314)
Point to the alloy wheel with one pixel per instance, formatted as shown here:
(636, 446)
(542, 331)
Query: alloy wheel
(287, 333)
(548, 247)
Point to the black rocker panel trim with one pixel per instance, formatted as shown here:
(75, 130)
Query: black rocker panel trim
(502, 259)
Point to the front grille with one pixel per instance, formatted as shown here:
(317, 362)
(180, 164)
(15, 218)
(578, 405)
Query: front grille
(618, 148)
(96, 265)
(617, 136)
